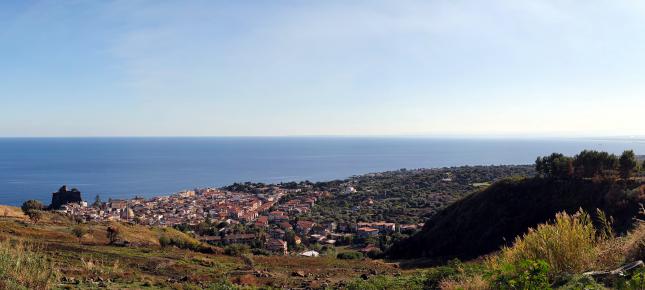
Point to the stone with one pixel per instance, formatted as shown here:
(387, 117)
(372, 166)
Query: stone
(622, 271)
(298, 273)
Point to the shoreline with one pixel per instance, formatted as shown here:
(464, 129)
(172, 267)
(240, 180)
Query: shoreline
(90, 196)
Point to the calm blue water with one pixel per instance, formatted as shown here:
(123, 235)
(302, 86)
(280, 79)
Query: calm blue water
(125, 167)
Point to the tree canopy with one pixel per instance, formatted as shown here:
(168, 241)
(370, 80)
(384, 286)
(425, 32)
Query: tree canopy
(627, 164)
(33, 209)
(587, 164)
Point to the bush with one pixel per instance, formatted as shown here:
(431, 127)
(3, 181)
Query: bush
(569, 245)
(260, 252)
(527, 274)
(33, 209)
(79, 231)
(635, 282)
(222, 285)
(457, 275)
(164, 241)
(349, 256)
(248, 261)
(436, 275)
(580, 282)
(375, 254)
(475, 282)
(113, 234)
(236, 250)
(184, 243)
(413, 282)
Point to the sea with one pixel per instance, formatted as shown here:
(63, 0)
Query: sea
(33, 168)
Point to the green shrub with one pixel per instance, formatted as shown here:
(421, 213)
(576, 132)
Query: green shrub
(349, 256)
(236, 250)
(182, 243)
(222, 285)
(248, 261)
(436, 275)
(580, 282)
(382, 282)
(260, 252)
(635, 282)
(375, 254)
(164, 241)
(33, 209)
(455, 274)
(528, 274)
(79, 231)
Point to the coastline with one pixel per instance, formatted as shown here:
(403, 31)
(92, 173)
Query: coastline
(127, 167)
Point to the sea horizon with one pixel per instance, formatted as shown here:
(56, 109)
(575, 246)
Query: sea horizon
(124, 167)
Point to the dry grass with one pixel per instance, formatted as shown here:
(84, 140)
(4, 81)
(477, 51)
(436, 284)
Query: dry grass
(465, 283)
(22, 267)
(143, 260)
(11, 212)
(634, 243)
(619, 250)
(569, 245)
(101, 268)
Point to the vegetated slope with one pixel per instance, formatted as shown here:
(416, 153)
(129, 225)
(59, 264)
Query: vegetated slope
(406, 196)
(10, 211)
(482, 222)
(29, 250)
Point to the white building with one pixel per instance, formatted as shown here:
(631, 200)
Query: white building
(310, 254)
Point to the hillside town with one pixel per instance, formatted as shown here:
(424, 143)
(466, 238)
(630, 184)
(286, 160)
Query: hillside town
(188, 207)
(267, 217)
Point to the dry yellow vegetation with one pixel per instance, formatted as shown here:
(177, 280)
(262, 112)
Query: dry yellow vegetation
(12, 212)
(143, 263)
(568, 245)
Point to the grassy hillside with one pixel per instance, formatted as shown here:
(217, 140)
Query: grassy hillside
(483, 222)
(10, 211)
(47, 255)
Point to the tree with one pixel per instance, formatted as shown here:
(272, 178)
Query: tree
(97, 201)
(290, 238)
(79, 232)
(113, 234)
(591, 163)
(555, 165)
(33, 209)
(627, 164)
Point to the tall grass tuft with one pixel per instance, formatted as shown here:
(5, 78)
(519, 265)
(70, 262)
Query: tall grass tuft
(21, 267)
(568, 245)
(475, 282)
(634, 245)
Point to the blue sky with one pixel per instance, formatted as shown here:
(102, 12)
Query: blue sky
(231, 68)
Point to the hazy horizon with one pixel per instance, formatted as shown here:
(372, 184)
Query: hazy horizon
(636, 138)
(124, 167)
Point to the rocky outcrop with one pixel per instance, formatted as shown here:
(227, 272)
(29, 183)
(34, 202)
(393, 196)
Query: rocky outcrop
(63, 196)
